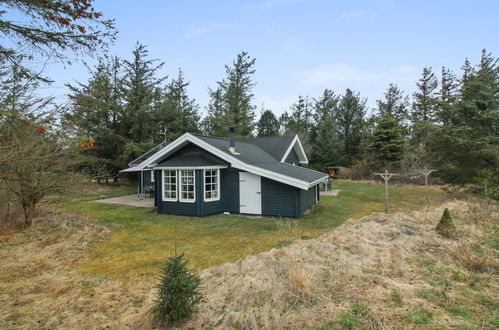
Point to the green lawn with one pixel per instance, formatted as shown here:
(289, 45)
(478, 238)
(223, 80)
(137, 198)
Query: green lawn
(141, 239)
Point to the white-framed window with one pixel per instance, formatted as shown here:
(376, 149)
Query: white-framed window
(152, 175)
(187, 186)
(211, 185)
(170, 185)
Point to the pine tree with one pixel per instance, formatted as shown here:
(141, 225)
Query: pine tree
(301, 116)
(447, 96)
(424, 109)
(323, 107)
(284, 120)
(387, 144)
(178, 293)
(445, 226)
(177, 112)
(141, 90)
(236, 108)
(214, 124)
(468, 144)
(349, 116)
(96, 112)
(267, 125)
(394, 104)
(328, 147)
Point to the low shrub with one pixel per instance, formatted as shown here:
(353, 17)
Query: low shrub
(445, 226)
(178, 293)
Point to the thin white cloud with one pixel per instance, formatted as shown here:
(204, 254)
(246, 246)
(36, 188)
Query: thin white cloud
(201, 30)
(341, 73)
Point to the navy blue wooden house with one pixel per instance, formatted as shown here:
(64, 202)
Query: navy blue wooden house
(197, 175)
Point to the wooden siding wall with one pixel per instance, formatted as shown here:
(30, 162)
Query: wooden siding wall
(279, 199)
(307, 199)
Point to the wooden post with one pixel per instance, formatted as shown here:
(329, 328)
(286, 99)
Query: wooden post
(386, 176)
(426, 172)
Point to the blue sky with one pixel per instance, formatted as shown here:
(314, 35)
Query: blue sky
(301, 47)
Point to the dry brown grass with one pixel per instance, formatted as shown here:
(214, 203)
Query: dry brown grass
(40, 289)
(323, 281)
(380, 271)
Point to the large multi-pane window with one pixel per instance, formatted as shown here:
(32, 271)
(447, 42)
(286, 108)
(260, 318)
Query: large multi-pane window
(211, 185)
(187, 184)
(170, 185)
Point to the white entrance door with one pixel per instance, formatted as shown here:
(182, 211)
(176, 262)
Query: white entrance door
(250, 196)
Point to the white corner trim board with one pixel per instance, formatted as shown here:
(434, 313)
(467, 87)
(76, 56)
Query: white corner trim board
(299, 151)
(236, 163)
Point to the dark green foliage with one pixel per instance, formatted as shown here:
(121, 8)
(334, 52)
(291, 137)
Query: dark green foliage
(123, 107)
(386, 147)
(268, 125)
(178, 293)
(424, 109)
(328, 148)
(177, 112)
(349, 114)
(300, 119)
(467, 142)
(394, 104)
(445, 226)
(52, 29)
(231, 103)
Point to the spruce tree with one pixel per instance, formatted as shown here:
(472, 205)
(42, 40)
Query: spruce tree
(328, 147)
(237, 109)
(445, 226)
(141, 88)
(177, 112)
(300, 121)
(387, 144)
(349, 116)
(267, 125)
(467, 145)
(214, 124)
(284, 120)
(323, 107)
(394, 104)
(178, 292)
(424, 111)
(447, 96)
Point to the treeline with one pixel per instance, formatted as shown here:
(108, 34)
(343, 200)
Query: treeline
(449, 123)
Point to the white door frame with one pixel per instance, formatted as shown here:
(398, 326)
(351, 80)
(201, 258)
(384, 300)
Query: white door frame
(250, 193)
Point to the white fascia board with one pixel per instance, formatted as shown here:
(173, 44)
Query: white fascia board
(301, 152)
(236, 163)
(214, 167)
(163, 151)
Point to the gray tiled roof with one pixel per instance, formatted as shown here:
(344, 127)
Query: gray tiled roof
(276, 146)
(251, 152)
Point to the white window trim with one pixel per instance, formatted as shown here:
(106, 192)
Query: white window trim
(152, 175)
(218, 187)
(163, 186)
(183, 200)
